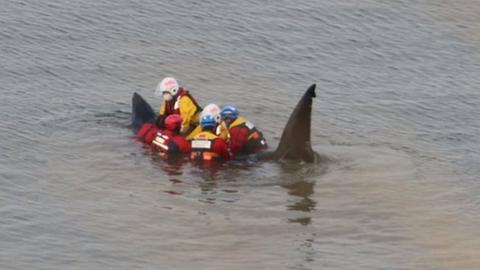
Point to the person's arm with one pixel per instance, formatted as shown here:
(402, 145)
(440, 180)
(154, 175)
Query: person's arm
(194, 132)
(222, 132)
(162, 108)
(183, 146)
(187, 111)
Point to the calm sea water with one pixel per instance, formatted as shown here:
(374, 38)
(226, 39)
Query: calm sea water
(397, 118)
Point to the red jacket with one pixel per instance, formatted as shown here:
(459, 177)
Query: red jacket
(220, 146)
(238, 139)
(172, 143)
(168, 142)
(245, 138)
(147, 133)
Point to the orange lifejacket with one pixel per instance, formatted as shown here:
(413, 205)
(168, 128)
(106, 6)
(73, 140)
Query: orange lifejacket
(222, 132)
(202, 146)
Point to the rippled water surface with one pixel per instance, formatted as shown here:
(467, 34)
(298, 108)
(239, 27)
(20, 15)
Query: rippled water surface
(396, 120)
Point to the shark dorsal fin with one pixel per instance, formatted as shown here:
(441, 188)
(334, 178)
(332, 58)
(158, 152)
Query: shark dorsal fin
(295, 140)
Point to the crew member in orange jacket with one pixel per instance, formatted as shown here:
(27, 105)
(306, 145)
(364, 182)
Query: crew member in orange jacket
(207, 145)
(244, 136)
(214, 110)
(169, 141)
(177, 100)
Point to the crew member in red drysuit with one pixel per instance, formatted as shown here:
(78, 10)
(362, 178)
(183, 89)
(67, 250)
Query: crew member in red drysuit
(169, 141)
(244, 137)
(207, 145)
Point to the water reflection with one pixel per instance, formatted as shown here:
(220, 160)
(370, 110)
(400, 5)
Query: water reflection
(303, 190)
(171, 166)
(207, 175)
(212, 178)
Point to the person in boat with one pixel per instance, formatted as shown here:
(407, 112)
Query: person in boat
(244, 137)
(169, 141)
(212, 109)
(177, 100)
(207, 145)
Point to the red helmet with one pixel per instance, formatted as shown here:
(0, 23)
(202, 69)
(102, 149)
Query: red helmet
(173, 121)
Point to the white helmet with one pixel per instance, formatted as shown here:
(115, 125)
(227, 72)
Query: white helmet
(212, 109)
(167, 88)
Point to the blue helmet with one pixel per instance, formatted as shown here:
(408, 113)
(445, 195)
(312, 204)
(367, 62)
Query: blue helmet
(229, 112)
(208, 121)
